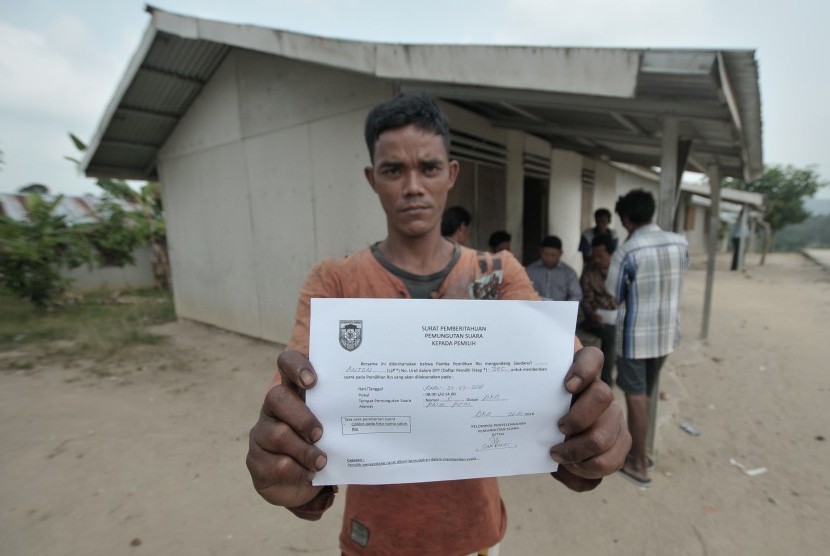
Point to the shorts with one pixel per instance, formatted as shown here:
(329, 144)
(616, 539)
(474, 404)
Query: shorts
(637, 376)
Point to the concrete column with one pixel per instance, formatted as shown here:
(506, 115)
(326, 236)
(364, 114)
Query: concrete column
(668, 173)
(712, 245)
(565, 203)
(665, 219)
(605, 190)
(514, 192)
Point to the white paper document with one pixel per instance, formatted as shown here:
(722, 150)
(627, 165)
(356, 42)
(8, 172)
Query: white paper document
(413, 390)
(607, 316)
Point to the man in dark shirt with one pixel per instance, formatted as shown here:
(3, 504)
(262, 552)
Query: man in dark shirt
(602, 218)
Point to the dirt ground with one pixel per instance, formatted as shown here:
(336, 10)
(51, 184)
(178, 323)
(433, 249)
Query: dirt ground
(151, 459)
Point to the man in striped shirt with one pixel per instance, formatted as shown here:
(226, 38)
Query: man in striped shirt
(646, 278)
(552, 279)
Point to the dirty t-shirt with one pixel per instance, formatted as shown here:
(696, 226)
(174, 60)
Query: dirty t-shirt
(445, 517)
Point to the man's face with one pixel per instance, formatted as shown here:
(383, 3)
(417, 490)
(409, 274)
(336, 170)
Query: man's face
(601, 257)
(603, 221)
(503, 246)
(550, 256)
(411, 175)
(462, 236)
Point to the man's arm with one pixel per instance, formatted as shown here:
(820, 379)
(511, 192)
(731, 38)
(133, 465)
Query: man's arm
(615, 281)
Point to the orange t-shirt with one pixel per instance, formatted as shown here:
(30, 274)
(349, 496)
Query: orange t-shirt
(447, 517)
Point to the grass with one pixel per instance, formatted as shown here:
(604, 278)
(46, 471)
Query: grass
(97, 328)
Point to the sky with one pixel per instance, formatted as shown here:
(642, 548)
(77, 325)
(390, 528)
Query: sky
(61, 60)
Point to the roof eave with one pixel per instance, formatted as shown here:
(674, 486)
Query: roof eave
(126, 79)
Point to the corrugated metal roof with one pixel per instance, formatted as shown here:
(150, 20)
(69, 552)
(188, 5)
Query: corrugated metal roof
(13, 206)
(605, 103)
(159, 91)
(700, 189)
(76, 209)
(726, 194)
(630, 130)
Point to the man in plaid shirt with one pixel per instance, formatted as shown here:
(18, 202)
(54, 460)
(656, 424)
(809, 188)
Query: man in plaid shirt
(646, 277)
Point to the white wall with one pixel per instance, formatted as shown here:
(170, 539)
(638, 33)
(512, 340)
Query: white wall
(605, 190)
(565, 203)
(626, 181)
(515, 190)
(210, 237)
(204, 184)
(263, 177)
(138, 275)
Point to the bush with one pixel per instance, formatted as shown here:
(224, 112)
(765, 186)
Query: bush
(32, 253)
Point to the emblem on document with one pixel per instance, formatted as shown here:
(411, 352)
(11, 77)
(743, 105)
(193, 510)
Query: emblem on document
(351, 334)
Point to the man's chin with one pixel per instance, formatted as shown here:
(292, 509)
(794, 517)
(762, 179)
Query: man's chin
(417, 230)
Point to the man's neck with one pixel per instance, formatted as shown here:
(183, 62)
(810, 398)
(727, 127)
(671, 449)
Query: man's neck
(635, 227)
(421, 256)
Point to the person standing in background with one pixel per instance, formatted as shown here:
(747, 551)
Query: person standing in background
(740, 232)
(602, 218)
(646, 278)
(599, 307)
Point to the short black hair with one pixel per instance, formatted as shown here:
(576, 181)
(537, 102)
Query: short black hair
(605, 240)
(499, 236)
(602, 212)
(453, 218)
(403, 110)
(551, 241)
(637, 205)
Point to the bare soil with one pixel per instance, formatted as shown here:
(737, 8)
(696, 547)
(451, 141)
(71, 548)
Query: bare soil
(148, 456)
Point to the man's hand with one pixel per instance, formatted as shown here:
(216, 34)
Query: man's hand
(596, 436)
(282, 457)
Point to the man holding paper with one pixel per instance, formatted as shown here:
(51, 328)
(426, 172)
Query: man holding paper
(408, 142)
(598, 305)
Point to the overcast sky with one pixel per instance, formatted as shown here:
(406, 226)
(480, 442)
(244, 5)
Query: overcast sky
(60, 61)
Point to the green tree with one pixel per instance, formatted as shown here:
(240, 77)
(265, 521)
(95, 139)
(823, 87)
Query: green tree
(114, 235)
(35, 251)
(146, 224)
(784, 189)
(32, 253)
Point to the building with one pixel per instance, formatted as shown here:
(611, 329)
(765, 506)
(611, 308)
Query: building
(693, 214)
(256, 135)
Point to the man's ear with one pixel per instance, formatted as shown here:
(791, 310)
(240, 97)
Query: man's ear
(453, 167)
(370, 177)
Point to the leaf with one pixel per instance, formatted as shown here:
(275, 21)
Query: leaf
(80, 145)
